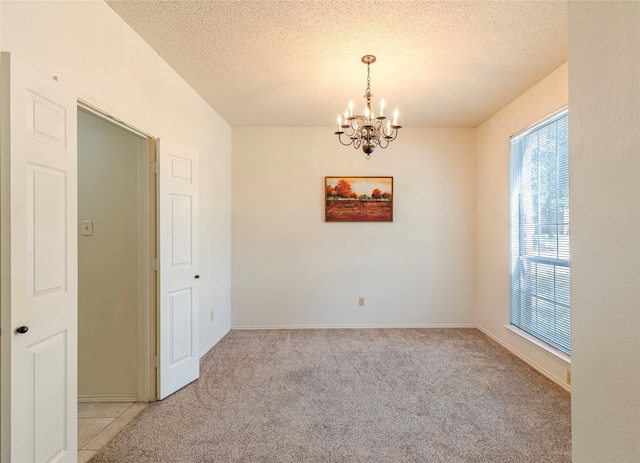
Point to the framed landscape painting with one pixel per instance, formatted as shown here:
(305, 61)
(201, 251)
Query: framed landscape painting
(358, 199)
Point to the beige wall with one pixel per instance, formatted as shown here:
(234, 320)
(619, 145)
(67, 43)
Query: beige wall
(290, 268)
(87, 45)
(604, 125)
(108, 260)
(492, 215)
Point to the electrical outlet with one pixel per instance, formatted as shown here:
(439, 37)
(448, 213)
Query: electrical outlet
(212, 315)
(569, 377)
(361, 302)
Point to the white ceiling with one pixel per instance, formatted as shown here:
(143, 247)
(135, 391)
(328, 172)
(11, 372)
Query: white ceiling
(297, 62)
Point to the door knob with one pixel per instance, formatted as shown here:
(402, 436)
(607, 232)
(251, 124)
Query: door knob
(22, 329)
(196, 277)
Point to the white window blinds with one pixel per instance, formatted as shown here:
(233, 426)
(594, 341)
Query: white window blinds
(539, 225)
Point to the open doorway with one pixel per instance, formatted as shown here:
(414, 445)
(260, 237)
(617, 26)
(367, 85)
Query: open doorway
(116, 245)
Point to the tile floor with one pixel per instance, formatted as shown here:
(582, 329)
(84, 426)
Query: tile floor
(98, 422)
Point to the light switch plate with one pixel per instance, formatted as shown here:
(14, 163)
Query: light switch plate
(87, 228)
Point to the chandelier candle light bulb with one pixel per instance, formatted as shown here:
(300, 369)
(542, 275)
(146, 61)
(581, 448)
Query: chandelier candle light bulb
(367, 131)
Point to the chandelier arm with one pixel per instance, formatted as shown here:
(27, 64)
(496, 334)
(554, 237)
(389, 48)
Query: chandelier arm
(383, 128)
(347, 133)
(374, 136)
(384, 142)
(341, 142)
(357, 142)
(394, 132)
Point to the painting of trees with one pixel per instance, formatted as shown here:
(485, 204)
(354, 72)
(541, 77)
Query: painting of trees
(359, 199)
(343, 189)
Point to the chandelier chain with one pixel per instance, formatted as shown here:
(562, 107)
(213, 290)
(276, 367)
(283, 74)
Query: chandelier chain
(368, 79)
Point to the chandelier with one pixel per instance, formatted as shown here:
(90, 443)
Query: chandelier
(367, 130)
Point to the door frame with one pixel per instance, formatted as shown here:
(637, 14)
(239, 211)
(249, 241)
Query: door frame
(147, 304)
(148, 273)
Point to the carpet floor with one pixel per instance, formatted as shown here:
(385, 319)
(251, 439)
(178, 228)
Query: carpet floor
(354, 396)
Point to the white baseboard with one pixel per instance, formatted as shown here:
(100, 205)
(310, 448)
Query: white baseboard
(528, 361)
(214, 342)
(108, 398)
(332, 327)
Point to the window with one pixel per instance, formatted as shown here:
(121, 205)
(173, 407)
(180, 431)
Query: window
(539, 229)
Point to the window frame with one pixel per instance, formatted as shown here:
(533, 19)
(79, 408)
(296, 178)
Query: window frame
(526, 268)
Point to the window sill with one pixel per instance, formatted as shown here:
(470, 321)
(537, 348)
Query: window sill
(540, 345)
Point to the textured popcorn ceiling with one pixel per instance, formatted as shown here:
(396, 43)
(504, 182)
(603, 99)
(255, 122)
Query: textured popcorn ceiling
(297, 63)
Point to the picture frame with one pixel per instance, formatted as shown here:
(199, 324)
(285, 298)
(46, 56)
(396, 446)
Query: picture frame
(358, 199)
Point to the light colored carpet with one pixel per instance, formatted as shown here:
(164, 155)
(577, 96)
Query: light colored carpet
(365, 396)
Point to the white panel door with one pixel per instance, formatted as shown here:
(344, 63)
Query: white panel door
(178, 264)
(39, 266)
